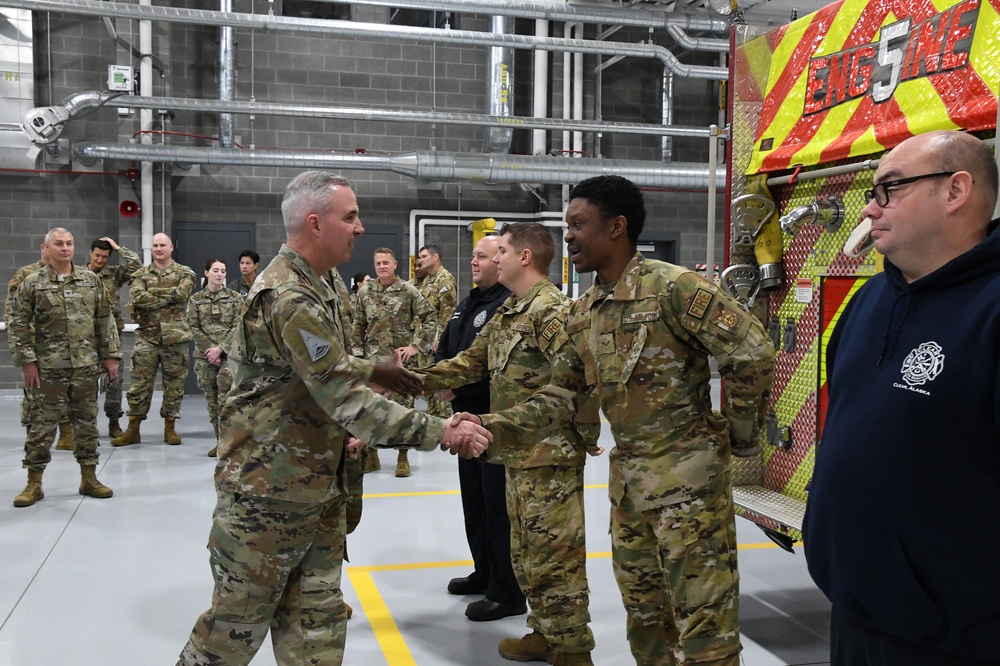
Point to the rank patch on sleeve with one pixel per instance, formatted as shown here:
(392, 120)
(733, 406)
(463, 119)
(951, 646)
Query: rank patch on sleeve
(551, 329)
(315, 345)
(699, 304)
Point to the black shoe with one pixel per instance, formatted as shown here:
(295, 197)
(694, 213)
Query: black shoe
(486, 610)
(465, 585)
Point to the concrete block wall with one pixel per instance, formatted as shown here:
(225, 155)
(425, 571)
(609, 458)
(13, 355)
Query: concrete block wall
(73, 53)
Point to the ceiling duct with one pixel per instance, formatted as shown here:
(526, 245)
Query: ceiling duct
(423, 165)
(499, 88)
(43, 124)
(371, 31)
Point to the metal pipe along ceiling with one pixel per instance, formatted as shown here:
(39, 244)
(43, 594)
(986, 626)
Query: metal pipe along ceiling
(425, 165)
(90, 99)
(369, 30)
(499, 88)
(645, 17)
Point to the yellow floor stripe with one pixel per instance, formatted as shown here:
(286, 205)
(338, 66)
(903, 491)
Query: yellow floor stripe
(387, 633)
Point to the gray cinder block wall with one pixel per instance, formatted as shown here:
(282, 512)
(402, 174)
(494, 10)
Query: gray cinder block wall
(72, 54)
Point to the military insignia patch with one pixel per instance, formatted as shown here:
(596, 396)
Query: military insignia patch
(699, 304)
(315, 345)
(725, 318)
(551, 329)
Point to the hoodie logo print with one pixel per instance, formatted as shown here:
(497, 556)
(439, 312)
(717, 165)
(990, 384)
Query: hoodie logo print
(923, 364)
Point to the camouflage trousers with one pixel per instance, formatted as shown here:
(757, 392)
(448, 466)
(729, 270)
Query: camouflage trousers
(66, 394)
(173, 363)
(215, 382)
(113, 398)
(548, 549)
(676, 571)
(277, 566)
(354, 477)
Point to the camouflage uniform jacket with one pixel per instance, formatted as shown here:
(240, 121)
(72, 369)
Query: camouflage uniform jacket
(212, 318)
(114, 277)
(240, 286)
(643, 346)
(15, 282)
(296, 392)
(62, 322)
(441, 291)
(389, 317)
(517, 349)
(158, 304)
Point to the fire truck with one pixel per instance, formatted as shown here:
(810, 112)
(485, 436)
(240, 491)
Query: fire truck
(813, 105)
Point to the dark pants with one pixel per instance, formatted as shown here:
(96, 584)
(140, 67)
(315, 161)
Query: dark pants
(856, 644)
(488, 528)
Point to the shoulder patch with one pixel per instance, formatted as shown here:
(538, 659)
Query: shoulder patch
(316, 346)
(725, 318)
(549, 332)
(699, 304)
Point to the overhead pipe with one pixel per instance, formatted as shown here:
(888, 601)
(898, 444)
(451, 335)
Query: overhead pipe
(499, 88)
(53, 117)
(146, 202)
(697, 43)
(645, 16)
(424, 165)
(329, 27)
(667, 115)
(540, 89)
(227, 77)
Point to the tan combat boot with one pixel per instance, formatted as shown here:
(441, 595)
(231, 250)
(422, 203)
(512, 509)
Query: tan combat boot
(402, 464)
(214, 451)
(131, 435)
(571, 659)
(33, 491)
(170, 435)
(65, 442)
(114, 430)
(372, 463)
(350, 611)
(532, 647)
(89, 485)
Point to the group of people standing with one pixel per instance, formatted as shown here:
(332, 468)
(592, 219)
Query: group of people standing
(57, 316)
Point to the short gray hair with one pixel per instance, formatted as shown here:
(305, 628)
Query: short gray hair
(48, 236)
(308, 193)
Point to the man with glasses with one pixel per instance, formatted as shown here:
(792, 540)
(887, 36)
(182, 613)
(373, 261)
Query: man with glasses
(911, 443)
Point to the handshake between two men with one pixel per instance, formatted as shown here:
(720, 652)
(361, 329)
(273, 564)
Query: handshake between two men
(463, 435)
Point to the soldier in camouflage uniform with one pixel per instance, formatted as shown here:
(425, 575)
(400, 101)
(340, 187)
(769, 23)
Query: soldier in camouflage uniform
(65, 442)
(515, 351)
(212, 316)
(61, 334)
(642, 337)
(113, 278)
(277, 539)
(159, 299)
(391, 320)
(441, 291)
(249, 261)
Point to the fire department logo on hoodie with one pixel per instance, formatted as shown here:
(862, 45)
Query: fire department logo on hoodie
(923, 364)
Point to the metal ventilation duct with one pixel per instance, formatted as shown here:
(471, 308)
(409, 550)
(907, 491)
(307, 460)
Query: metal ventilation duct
(424, 165)
(499, 88)
(370, 31)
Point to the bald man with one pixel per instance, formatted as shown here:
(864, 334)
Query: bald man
(908, 469)
(158, 301)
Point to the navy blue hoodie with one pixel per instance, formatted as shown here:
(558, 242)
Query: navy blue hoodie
(902, 529)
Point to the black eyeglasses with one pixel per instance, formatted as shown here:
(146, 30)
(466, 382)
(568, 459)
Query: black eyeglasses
(880, 192)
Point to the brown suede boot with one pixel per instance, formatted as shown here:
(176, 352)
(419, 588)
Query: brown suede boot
(350, 611)
(532, 647)
(65, 442)
(89, 485)
(402, 464)
(571, 659)
(131, 435)
(33, 491)
(214, 451)
(114, 430)
(372, 463)
(170, 435)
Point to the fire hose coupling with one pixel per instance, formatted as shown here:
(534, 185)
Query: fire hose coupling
(828, 212)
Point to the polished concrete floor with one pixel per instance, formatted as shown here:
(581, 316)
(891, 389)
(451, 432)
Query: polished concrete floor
(119, 582)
